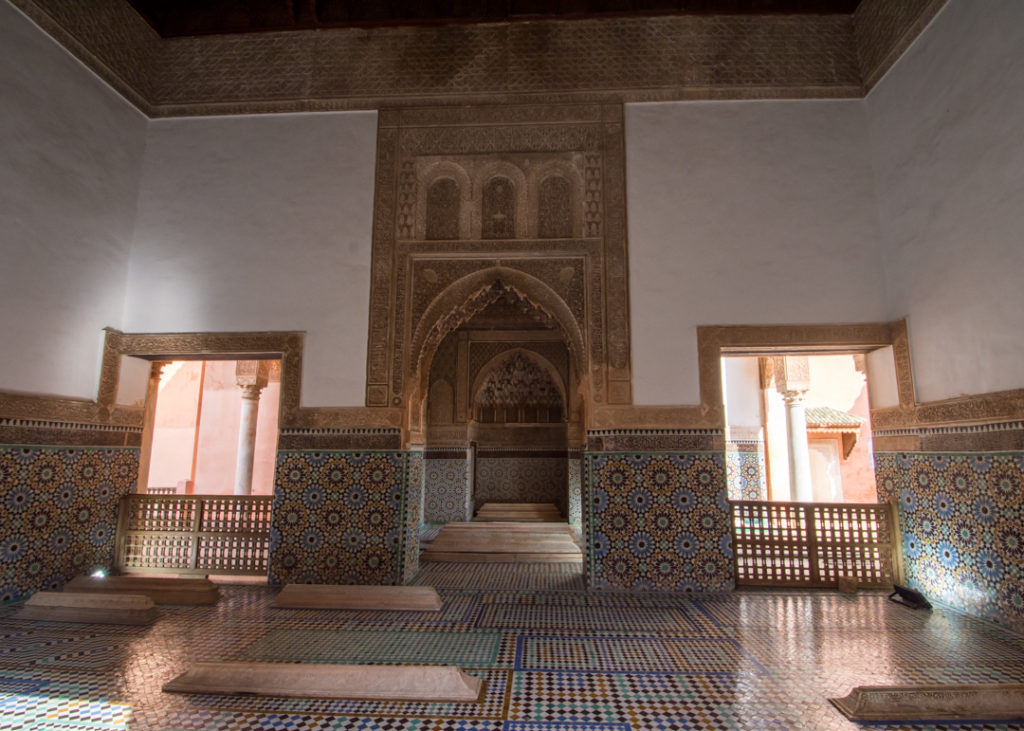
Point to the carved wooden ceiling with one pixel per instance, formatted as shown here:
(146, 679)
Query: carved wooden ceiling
(177, 18)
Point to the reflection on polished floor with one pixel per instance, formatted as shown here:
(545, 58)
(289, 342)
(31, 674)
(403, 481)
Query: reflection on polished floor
(555, 658)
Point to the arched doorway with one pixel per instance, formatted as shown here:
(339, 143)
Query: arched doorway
(502, 405)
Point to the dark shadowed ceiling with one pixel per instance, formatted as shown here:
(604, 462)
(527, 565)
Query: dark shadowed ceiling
(174, 18)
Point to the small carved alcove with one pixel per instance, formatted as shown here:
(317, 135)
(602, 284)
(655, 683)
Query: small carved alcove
(443, 199)
(499, 209)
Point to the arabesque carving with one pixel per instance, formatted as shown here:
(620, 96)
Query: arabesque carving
(518, 390)
(500, 159)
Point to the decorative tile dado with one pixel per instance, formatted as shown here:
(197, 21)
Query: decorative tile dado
(658, 521)
(575, 479)
(58, 512)
(987, 437)
(612, 440)
(746, 475)
(413, 512)
(338, 517)
(527, 479)
(340, 438)
(961, 520)
(446, 489)
(43, 432)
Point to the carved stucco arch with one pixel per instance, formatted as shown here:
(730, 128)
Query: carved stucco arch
(534, 357)
(463, 299)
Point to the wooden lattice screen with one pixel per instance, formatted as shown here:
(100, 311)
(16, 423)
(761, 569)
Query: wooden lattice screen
(814, 544)
(193, 534)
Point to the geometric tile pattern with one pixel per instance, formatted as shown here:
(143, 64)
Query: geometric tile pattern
(61, 647)
(521, 479)
(413, 515)
(745, 473)
(337, 517)
(657, 662)
(635, 655)
(575, 478)
(521, 577)
(58, 512)
(658, 521)
(474, 650)
(962, 525)
(554, 617)
(445, 490)
(532, 726)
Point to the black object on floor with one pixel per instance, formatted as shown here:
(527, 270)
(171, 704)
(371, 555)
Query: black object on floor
(909, 597)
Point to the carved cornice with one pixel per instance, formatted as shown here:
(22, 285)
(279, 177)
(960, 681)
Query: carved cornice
(610, 60)
(980, 410)
(884, 29)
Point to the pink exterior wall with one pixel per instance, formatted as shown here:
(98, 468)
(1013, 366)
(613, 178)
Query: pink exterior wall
(858, 471)
(218, 430)
(834, 380)
(175, 424)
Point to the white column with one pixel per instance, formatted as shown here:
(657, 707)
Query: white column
(800, 485)
(247, 439)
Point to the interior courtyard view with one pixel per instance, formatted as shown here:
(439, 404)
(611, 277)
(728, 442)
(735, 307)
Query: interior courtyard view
(599, 365)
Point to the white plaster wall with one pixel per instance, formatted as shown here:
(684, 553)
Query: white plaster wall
(883, 387)
(70, 155)
(947, 128)
(744, 213)
(741, 384)
(261, 223)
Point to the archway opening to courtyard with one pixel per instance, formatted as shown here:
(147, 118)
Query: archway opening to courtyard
(798, 428)
(206, 471)
(213, 428)
(502, 404)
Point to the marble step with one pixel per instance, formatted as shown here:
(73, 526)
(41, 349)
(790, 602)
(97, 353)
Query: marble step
(170, 590)
(510, 526)
(978, 702)
(514, 516)
(89, 607)
(359, 597)
(518, 508)
(431, 683)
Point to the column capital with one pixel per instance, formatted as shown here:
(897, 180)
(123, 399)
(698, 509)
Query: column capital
(251, 393)
(792, 373)
(794, 397)
(252, 373)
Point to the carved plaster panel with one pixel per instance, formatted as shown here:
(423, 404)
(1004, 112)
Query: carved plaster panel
(413, 279)
(605, 60)
(884, 29)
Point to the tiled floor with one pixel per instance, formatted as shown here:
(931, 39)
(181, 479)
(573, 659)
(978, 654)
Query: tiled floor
(555, 658)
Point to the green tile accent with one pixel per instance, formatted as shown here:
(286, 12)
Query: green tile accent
(463, 649)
